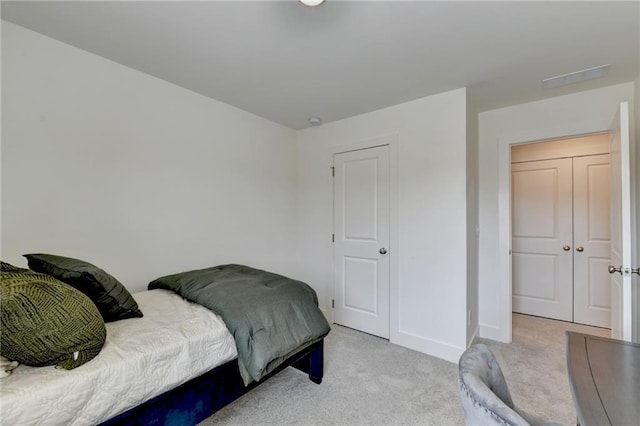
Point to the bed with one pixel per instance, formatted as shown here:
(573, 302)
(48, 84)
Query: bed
(178, 364)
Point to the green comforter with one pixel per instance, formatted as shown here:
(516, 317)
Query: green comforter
(270, 316)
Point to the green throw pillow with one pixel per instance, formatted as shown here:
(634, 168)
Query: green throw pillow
(112, 299)
(46, 322)
(7, 267)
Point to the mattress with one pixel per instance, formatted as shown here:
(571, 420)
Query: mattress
(175, 341)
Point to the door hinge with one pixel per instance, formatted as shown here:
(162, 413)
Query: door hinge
(333, 303)
(333, 238)
(333, 171)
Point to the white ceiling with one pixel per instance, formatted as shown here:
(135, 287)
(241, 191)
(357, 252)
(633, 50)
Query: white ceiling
(287, 62)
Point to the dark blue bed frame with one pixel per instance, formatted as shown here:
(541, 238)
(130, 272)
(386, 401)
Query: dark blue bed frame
(202, 396)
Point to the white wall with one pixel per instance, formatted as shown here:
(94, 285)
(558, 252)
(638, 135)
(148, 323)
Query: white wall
(580, 113)
(428, 302)
(132, 173)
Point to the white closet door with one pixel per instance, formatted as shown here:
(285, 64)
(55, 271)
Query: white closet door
(542, 232)
(591, 199)
(361, 259)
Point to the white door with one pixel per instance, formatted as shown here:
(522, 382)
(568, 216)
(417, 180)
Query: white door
(361, 247)
(542, 234)
(591, 223)
(620, 257)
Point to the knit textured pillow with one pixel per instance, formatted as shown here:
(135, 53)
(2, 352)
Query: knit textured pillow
(112, 298)
(7, 267)
(46, 322)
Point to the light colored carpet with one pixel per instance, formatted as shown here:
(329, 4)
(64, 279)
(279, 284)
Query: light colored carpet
(535, 366)
(368, 381)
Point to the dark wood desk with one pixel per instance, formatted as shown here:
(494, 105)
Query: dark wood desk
(605, 379)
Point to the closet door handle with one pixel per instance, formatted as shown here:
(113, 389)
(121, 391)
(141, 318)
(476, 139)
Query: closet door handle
(566, 248)
(580, 249)
(612, 269)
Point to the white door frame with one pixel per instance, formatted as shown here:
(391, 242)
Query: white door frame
(393, 251)
(504, 228)
(625, 328)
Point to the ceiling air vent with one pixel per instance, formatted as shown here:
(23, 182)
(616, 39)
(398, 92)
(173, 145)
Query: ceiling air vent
(575, 77)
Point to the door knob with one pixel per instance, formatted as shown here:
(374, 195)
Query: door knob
(613, 269)
(566, 248)
(383, 250)
(635, 271)
(580, 249)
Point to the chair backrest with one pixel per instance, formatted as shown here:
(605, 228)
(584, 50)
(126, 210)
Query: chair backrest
(485, 395)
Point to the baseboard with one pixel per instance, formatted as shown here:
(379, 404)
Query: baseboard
(328, 314)
(492, 332)
(442, 350)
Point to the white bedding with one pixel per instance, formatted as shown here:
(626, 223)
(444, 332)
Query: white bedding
(175, 341)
